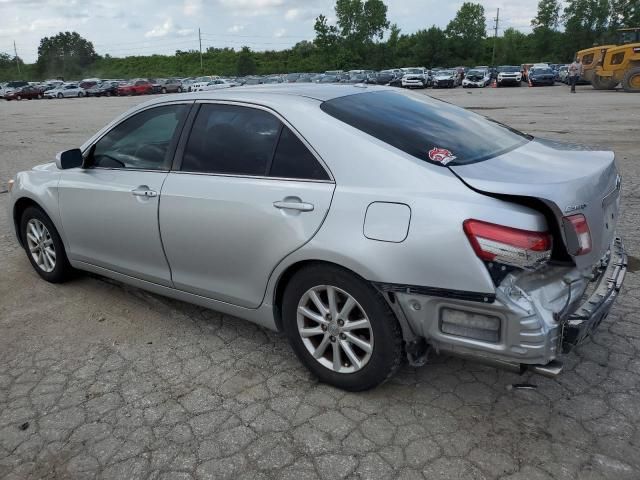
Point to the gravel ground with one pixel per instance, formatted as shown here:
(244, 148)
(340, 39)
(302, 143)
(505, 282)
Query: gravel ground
(100, 380)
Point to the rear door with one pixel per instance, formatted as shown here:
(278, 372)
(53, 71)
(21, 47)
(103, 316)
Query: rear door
(247, 192)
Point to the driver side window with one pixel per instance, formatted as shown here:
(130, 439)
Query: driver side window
(141, 141)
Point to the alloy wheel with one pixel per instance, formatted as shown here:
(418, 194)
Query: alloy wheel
(335, 329)
(41, 245)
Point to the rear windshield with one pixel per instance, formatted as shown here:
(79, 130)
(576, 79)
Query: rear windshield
(428, 129)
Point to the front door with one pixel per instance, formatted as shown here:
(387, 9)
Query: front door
(248, 193)
(109, 209)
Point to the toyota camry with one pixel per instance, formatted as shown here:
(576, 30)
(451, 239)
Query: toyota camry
(368, 224)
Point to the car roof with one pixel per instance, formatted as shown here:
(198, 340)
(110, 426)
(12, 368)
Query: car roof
(286, 92)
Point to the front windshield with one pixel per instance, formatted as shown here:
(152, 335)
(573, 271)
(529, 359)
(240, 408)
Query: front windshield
(475, 74)
(541, 71)
(414, 71)
(508, 69)
(446, 73)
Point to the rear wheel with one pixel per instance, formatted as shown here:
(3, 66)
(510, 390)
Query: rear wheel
(341, 328)
(631, 81)
(603, 83)
(44, 247)
(179, 89)
(19, 97)
(80, 94)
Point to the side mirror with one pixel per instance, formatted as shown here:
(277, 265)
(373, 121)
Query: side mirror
(69, 159)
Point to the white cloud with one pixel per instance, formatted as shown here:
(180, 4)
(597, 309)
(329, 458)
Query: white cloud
(167, 28)
(192, 7)
(292, 14)
(120, 27)
(236, 28)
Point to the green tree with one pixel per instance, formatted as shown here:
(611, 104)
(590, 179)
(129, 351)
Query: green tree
(548, 15)
(586, 23)
(431, 48)
(545, 26)
(514, 48)
(246, 64)
(625, 13)
(360, 20)
(466, 33)
(65, 54)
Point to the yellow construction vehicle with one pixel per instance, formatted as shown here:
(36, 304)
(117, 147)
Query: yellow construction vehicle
(606, 66)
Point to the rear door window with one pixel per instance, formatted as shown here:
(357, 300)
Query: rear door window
(294, 160)
(428, 129)
(231, 139)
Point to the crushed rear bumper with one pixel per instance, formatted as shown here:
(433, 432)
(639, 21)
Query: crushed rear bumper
(531, 321)
(584, 321)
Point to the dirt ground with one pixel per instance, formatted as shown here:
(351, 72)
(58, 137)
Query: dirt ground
(100, 380)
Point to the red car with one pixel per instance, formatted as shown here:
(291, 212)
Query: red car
(137, 87)
(26, 92)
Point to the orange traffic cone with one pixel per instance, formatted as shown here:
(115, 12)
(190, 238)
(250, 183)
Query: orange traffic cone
(494, 83)
(529, 81)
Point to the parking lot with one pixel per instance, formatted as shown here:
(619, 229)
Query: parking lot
(101, 380)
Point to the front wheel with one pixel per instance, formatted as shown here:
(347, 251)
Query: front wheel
(341, 328)
(44, 246)
(179, 89)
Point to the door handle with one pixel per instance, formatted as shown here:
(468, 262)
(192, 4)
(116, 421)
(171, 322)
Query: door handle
(144, 191)
(291, 205)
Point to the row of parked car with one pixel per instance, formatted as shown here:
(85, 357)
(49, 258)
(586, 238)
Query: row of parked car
(412, 77)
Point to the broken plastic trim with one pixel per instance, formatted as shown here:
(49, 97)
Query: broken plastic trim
(437, 292)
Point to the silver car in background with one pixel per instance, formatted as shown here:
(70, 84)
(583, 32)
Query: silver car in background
(367, 223)
(65, 90)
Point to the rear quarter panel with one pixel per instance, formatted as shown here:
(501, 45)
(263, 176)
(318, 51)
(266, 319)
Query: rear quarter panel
(436, 251)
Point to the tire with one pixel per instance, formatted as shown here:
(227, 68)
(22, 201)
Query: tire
(60, 95)
(179, 89)
(164, 90)
(62, 270)
(382, 332)
(19, 97)
(108, 94)
(80, 94)
(631, 80)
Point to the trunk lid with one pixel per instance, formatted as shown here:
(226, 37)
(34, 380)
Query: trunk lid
(570, 179)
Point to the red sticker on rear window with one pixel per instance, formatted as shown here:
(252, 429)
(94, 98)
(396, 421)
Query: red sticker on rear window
(441, 155)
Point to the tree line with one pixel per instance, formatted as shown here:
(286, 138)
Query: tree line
(362, 37)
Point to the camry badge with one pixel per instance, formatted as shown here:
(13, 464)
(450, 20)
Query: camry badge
(575, 208)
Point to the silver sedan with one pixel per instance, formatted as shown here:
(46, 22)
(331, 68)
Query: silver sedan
(368, 224)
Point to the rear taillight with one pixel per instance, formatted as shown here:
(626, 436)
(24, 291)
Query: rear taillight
(576, 230)
(508, 246)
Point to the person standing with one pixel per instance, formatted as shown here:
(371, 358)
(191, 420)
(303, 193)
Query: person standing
(575, 72)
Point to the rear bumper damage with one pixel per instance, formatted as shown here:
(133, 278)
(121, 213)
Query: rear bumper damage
(531, 321)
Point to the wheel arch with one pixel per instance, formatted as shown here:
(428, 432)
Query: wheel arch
(285, 278)
(18, 209)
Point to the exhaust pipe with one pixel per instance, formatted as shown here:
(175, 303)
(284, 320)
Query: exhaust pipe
(550, 370)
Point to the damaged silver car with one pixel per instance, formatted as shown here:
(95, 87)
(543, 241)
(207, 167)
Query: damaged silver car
(366, 223)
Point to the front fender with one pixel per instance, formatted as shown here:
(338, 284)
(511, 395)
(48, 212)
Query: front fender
(38, 186)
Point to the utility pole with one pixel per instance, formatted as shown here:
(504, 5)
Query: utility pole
(495, 38)
(200, 40)
(15, 50)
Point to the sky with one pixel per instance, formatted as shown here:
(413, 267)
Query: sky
(144, 27)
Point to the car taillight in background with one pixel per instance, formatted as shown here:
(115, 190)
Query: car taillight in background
(576, 230)
(508, 246)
